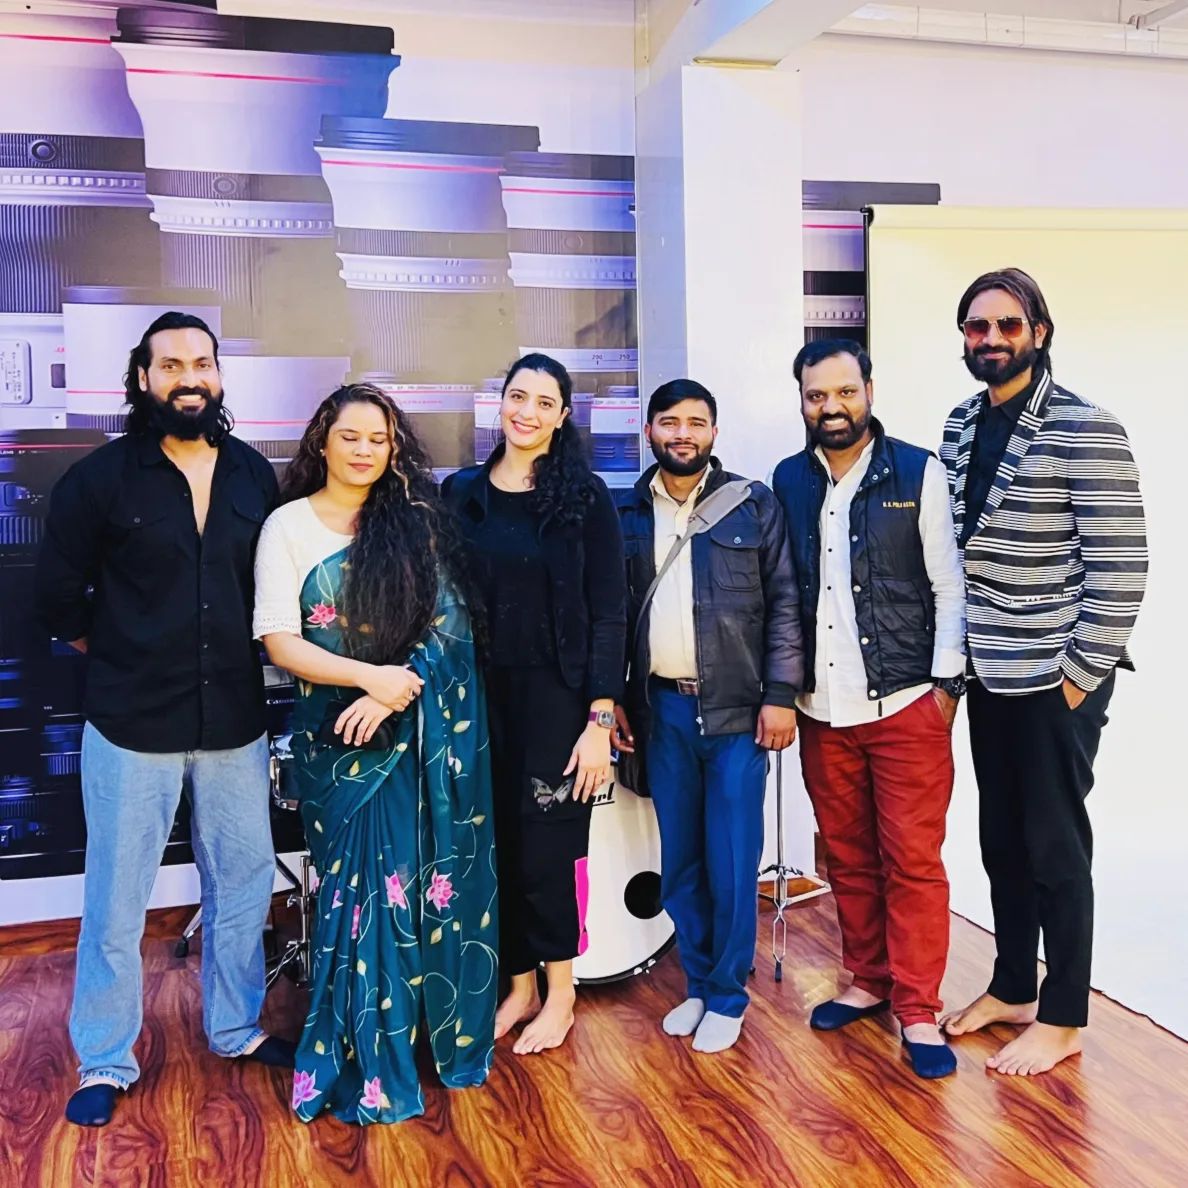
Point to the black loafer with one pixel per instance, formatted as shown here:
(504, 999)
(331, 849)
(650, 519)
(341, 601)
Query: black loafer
(94, 1104)
(931, 1060)
(829, 1016)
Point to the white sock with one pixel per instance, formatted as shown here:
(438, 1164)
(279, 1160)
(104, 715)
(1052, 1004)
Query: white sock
(683, 1020)
(717, 1033)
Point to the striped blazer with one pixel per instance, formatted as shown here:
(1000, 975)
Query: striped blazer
(1056, 567)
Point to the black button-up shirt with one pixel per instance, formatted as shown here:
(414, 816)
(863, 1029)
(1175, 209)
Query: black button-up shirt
(995, 427)
(167, 613)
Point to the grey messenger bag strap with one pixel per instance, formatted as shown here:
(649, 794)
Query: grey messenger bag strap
(714, 508)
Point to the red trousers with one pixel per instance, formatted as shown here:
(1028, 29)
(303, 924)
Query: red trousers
(880, 792)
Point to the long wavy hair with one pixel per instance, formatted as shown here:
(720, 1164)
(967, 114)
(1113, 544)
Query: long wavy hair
(563, 485)
(405, 541)
(142, 405)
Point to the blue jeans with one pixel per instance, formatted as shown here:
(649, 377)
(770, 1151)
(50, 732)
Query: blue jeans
(130, 798)
(708, 792)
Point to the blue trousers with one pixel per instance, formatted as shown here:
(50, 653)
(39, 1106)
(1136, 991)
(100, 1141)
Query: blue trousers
(130, 798)
(708, 792)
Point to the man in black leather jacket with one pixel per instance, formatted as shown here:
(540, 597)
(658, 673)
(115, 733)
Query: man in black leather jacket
(715, 662)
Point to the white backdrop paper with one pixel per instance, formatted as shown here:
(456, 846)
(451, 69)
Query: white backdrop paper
(1117, 286)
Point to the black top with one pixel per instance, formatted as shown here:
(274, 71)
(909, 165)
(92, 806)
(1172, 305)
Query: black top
(996, 425)
(587, 591)
(515, 581)
(167, 614)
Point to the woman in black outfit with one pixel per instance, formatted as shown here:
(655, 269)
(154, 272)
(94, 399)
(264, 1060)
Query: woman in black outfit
(549, 556)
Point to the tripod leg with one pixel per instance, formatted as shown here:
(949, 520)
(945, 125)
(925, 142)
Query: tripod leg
(182, 948)
(305, 958)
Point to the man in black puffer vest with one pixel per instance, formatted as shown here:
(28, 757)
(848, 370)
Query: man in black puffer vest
(882, 602)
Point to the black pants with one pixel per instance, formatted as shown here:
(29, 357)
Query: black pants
(1033, 757)
(542, 835)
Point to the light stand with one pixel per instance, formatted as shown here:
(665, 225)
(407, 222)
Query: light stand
(782, 873)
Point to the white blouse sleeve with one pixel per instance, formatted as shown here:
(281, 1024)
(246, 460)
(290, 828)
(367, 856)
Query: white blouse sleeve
(278, 582)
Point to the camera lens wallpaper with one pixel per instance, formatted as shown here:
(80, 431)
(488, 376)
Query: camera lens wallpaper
(257, 172)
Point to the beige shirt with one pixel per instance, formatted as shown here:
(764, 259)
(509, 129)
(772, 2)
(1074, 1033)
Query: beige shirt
(671, 636)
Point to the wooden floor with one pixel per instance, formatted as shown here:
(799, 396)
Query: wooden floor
(621, 1104)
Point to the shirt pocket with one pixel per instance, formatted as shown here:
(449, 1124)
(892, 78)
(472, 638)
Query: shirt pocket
(250, 505)
(248, 516)
(734, 555)
(146, 550)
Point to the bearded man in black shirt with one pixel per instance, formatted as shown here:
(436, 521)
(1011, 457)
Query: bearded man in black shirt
(147, 568)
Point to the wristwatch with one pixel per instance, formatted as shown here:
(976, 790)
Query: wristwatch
(603, 718)
(953, 686)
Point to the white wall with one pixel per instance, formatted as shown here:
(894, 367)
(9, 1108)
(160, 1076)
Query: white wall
(1105, 132)
(997, 127)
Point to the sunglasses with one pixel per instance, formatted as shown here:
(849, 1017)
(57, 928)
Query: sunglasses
(1010, 328)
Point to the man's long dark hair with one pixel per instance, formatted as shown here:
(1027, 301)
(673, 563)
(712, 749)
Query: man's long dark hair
(563, 487)
(1026, 292)
(405, 541)
(142, 406)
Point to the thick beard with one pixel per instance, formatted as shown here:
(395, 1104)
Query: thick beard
(838, 439)
(680, 467)
(994, 371)
(168, 420)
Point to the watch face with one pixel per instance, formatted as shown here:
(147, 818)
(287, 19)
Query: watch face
(603, 718)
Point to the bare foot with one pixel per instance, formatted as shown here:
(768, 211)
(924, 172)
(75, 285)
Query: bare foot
(517, 1006)
(1040, 1048)
(983, 1011)
(550, 1027)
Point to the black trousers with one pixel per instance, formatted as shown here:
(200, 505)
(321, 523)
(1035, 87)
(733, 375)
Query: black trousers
(542, 835)
(1033, 757)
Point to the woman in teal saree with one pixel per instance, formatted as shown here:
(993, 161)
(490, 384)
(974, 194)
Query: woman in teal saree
(359, 594)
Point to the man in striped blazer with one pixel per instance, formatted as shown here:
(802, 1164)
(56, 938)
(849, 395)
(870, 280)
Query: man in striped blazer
(1049, 519)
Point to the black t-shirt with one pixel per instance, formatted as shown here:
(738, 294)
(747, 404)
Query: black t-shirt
(515, 581)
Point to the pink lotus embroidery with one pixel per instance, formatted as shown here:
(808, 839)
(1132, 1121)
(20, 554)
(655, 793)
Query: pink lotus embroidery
(355, 921)
(373, 1094)
(395, 891)
(337, 898)
(322, 615)
(440, 892)
(304, 1088)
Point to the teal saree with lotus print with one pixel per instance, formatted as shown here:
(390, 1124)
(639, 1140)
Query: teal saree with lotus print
(404, 938)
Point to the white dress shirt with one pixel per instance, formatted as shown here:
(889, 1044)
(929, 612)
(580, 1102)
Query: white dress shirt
(672, 639)
(841, 693)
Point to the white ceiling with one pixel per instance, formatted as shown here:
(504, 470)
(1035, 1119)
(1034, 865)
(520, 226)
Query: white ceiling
(1105, 11)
